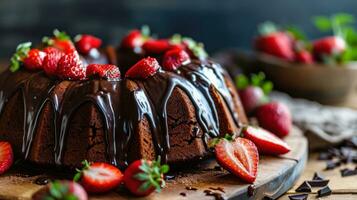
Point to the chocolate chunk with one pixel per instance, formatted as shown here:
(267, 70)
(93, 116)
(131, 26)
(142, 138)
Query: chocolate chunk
(348, 172)
(325, 191)
(304, 187)
(325, 156)
(318, 176)
(332, 164)
(251, 190)
(298, 197)
(183, 194)
(318, 183)
(216, 195)
(190, 188)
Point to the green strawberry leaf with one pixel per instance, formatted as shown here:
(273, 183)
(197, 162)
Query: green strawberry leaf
(21, 53)
(296, 32)
(322, 23)
(242, 81)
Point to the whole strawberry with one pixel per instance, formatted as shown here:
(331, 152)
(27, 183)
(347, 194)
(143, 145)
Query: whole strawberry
(275, 117)
(304, 56)
(70, 67)
(6, 156)
(274, 42)
(50, 62)
(61, 41)
(253, 92)
(106, 71)
(156, 46)
(84, 43)
(175, 58)
(66, 190)
(136, 38)
(145, 68)
(34, 59)
(328, 46)
(143, 177)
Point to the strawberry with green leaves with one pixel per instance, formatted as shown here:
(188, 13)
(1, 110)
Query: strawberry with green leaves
(85, 43)
(31, 59)
(98, 177)
(253, 92)
(193, 48)
(142, 177)
(136, 38)
(61, 41)
(61, 190)
(274, 42)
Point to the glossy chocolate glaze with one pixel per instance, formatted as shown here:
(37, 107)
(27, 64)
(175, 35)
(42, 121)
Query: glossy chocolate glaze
(121, 108)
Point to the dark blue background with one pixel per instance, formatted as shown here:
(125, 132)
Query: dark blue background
(217, 23)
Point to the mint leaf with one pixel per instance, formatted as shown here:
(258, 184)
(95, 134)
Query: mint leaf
(322, 23)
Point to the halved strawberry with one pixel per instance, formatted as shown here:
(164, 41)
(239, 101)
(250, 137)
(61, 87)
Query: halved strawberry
(143, 69)
(66, 190)
(34, 59)
(85, 43)
(156, 46)
(142, 177)
(240, 157)
(6, 156)
(266, 142)
(106, 71)
(174, 58)
(99, 177)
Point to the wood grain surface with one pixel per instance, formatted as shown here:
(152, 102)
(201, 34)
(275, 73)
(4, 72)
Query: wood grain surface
(275, 176)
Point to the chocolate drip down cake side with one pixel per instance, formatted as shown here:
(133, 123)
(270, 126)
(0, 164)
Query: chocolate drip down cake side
(172, 112)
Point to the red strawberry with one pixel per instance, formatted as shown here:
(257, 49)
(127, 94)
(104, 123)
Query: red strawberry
(277, 44)
(266, 142)
(327, 46)
(304, 57)
(71, 67)
(99, 177)
(34, 59)
(143, 69)
(85, 43)
(61, 41)
(174, 58)
(50, 62)
(240, 157)
(61, 190)
(251, 97)
(156, 46)
(6, 156)
(275, 117)
(103, 70)
(132, 40)
(143, 177)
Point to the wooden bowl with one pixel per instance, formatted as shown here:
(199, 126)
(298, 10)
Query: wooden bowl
(322, 83)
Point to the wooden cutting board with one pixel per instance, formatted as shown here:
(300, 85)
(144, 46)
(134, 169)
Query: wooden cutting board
(275, 176)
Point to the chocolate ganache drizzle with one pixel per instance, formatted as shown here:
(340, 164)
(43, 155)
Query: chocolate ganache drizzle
(121, 108)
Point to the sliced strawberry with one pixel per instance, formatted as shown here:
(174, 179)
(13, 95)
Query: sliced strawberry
(145, 68)
(106, 71)
(71, 67)
(266, 142)
(50, 62)
(6, 156)
(143, 177)
(132, 40)
(174, 58)
(85, 43)
(99, 177)
(156, 46)
(275, 117)
(34, 59)
(65, 190)
(240, 157)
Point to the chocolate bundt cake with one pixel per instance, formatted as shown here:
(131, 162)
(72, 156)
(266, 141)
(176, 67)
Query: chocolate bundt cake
(171, 113)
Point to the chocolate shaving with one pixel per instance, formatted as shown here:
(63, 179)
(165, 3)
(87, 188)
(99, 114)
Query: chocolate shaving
(348, 172)
(318, 183)
(304, 187)
(325, 191)
(298, 197)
